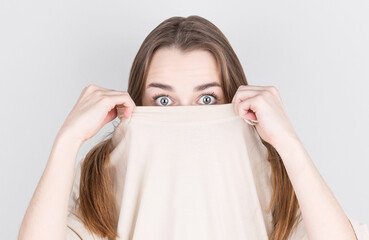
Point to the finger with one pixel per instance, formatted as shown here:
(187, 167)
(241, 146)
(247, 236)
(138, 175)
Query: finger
(90, 89)
(248, 109)
(112, 114)
(250, 123)
(112, 91)
(104, 91)
(255, 87)
(242, 95)
(122, 102)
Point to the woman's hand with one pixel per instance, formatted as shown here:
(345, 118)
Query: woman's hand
(264, 104)
(95, 107)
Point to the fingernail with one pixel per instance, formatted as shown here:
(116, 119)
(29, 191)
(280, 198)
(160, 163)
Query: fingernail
(249, 122)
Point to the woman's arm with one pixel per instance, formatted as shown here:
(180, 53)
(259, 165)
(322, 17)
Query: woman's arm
(46, 216)
(323, 216)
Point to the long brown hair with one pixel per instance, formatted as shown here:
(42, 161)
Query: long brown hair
(96, 198)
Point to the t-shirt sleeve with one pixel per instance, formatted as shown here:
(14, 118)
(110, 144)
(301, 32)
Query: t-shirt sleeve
(361, 230)
(76, 230)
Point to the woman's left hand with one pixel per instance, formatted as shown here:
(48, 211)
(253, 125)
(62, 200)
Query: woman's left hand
(264, 104)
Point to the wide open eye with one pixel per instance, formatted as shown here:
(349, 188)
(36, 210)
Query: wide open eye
(206, 98)
(163, 100)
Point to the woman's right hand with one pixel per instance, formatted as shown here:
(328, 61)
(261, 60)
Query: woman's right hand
(95, 107)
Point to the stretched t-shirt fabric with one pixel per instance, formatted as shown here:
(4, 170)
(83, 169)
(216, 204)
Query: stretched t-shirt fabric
(189, 172)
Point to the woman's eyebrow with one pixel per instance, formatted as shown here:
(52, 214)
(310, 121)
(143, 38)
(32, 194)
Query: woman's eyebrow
(170, 88)
(206, 85)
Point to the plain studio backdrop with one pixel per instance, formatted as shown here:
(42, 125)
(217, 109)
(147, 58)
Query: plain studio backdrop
(315, 52)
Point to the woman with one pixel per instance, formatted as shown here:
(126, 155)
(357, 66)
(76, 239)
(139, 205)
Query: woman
(176, 57)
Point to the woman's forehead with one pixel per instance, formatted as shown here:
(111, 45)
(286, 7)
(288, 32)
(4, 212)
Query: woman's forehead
(172, 65)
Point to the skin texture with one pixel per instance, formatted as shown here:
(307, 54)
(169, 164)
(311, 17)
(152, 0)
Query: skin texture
(323, 216)
(183, 72)
(46, 215)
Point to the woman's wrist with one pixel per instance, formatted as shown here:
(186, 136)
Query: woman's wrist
(66, 135)
(287, 143)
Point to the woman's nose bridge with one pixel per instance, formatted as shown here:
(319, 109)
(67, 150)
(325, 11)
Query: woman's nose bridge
(185, 101)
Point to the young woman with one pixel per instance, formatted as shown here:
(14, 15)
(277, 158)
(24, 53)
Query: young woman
(178, 56)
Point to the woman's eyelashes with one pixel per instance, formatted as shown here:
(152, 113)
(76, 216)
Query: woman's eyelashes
(206, 98)
(163, 99)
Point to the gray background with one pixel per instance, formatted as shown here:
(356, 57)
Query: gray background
(315, 52)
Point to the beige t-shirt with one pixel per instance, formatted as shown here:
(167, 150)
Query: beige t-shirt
(189, 172)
